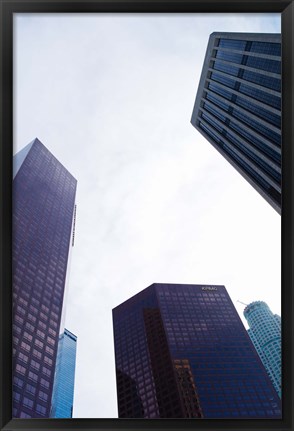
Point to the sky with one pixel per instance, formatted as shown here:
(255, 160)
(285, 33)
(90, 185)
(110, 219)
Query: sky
(111, 96)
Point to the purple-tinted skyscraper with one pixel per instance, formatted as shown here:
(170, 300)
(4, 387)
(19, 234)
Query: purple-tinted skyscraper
(181, 351)
(43, 207)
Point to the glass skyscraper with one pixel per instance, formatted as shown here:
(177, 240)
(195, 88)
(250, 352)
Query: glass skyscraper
(63, 388)
(238, 106)
(43, 207)
(265, 333)
(181, 351)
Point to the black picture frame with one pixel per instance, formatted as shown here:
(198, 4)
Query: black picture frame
(8, 8)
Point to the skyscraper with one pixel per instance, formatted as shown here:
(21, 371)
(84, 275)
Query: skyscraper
(265, 333)
(238, 106)
(43, 206)
(182, 351)
(63, 388)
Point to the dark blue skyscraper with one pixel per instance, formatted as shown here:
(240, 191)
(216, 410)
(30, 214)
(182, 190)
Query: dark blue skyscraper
(182, 351)
(43, 207)
(64, 380)
(238, 106)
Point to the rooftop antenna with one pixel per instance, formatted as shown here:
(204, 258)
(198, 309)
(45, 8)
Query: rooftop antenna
(242, 302)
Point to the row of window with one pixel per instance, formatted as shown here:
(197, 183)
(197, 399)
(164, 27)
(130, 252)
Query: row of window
(274, 153)
(269, 48)
(257, 159)
(257, 94)
(261, 63)
(248, 75)
(258, 179)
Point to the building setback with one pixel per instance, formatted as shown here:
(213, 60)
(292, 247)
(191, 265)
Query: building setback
(238, 106)
(265, 333)
(43, 206)
(63, 388)
(181, 351)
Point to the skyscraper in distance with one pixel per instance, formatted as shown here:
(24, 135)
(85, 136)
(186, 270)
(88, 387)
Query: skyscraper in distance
(181, 351)
(63, 388)
(238, 106)
(265, 333)
(43, 207)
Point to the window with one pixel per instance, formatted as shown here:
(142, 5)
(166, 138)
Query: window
(49, 350)
(23, 358)
(39, 344)
(51, 341)
(33, 376)
(44, 383)
(41, 410)
(30, 327)
(42, 325)
(28, 336)
(20, 369)
(31, 318)
(27, 402)
(48, 360)
(18, 382)
(37, 354)
(16, 396)
(35, 364)
(52, 332)
(43, 396)
(19, 319)
(25, 415)
(46, 371)
(40, 334)
(30, 389)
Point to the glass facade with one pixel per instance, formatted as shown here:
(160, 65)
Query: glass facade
(265, 333)
(63, 389)
(43, 204)
(181, 351)
(238, 106)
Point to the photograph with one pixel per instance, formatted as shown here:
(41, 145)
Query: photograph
(146, 216)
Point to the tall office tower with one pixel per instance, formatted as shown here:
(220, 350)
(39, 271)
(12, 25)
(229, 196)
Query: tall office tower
(265, 333)
(238, 106)
(43, 207)
(181, 351)
(64, 380)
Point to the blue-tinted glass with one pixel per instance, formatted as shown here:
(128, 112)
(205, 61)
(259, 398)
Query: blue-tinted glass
(267, 168)
(265, 64)
(241, 77)
(268, 151)
(229, 56)
(247, 168)
(63, 390)
(269, 48)
(268, 133)
(212, 122)
(229, 82)
(227, 68)
(216, 113)
(257, 126)
(259, 111)
(218, 102)
(263, 80)
(233, 44)
(260, 95)
(264, 165)
(209, 131)
(219, 90)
